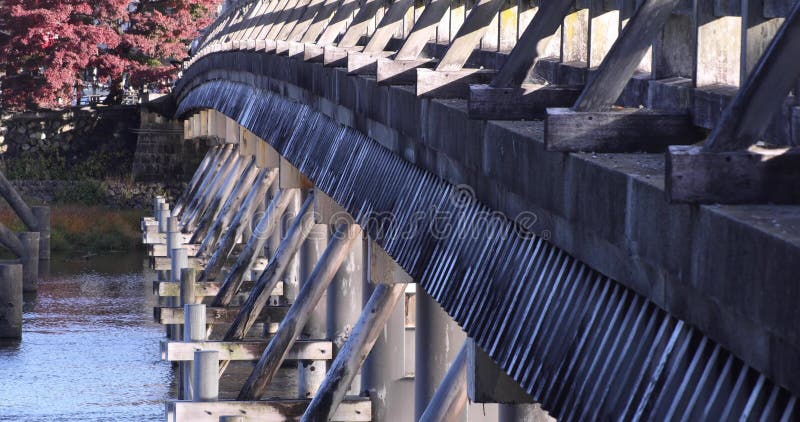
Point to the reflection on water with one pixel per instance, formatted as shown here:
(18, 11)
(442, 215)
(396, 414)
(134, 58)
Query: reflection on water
(89, 349)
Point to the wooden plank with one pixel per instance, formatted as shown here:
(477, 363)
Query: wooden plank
(400, 72)
(281, 47)
(423, 30)
(296, 50)
(532, 43)
(383, 268)
(352, 409)
(359, 63)
(151, 238)
(755, 175)
(746, 119)
(160, 263)
(623, 130)
(174, 314)
(391, 22)
(336, 56)
(528, 101)
(174, 351)
(606, 85)
(313, 53)
(469, 34)
(160, 249)
(450, 84)
(203, 288)
(361, 21)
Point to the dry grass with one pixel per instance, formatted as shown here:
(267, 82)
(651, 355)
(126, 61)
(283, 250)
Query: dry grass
(81, 228)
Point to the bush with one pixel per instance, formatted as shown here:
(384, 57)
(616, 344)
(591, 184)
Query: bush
(86, 192)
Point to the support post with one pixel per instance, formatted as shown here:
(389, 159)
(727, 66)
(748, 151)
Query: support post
(312, 373)
(42, 216)
(174, 238)
(349, 360)
(179, 261)
(10, 301)
(163, 215)
(298, 314)
(450, 398)
(206, 375)
(30, 260)
(194, 329)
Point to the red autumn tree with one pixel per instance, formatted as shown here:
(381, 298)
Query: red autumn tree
(46, 45)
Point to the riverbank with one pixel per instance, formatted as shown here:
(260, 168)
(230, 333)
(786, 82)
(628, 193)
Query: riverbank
(80, 229)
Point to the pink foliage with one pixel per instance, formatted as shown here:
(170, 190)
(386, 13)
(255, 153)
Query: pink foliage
(45, 45)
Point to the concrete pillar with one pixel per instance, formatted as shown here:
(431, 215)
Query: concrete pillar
(194, 329)
(383, 376)
(10, 301)
(206, 375)
(42, 215)
(30, 261)
(344, 302)
(291, 279)
(439, 340)
(312, 373)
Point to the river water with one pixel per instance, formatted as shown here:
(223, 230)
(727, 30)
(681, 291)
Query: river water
(90, 348)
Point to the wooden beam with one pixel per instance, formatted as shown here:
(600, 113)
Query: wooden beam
(361, 21)
(487, 382)
(623, 130)
(355, 409)
(161, 263)
(334, 56)
(313, 53)
(528, 101)
(371, 324)
(151, 238)
(423, 30)
(203, 288)
(174, 314)
(532, 44)
(337, 24)
(607, 83)
(451, 83)
(384, 269)
(400, 72)
(469, 34)
(388, 26)
(175, 351)
(160, 249)
(310, 294)
(747, 117)
(755, 175)
(359, 63)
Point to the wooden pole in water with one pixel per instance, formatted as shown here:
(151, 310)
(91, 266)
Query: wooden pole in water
(173, 235)
(16, 202)
(30, 260)
(42, 215)
(163, 215)
(188, 286)
(10, 240)
(179, 261)
(350, 358)
(298, 314)
(194, 329)
(451, 396)
(206, 375)
(11, 301)
(311, 373)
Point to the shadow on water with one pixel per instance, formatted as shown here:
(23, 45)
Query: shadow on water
(90, 349)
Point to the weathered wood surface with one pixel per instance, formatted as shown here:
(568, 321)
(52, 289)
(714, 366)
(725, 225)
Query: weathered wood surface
(450, 84)
(313, 53)
(313, 288)
(355, 409)
(359, 63)
(391, 22)
(334, 56)
(422, 31)
(616, 69)
(383, 269)
(532, 43)
(756, 175)
(747, 117)
(350, 358)
(203, 288)
(160, 249)
(152, 238)
(174, 315)
(528, 101)
(625, 130)
(400, 72)
(160, 263)
(244, 350)
(469, 34)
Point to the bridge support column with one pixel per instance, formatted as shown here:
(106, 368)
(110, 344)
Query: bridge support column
(30, 261)
(11, 301)
(439, 339)
(311, 373)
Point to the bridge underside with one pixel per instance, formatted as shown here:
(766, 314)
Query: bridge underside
(581, 344)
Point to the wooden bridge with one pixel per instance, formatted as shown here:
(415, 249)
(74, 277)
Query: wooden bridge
(578, 210)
